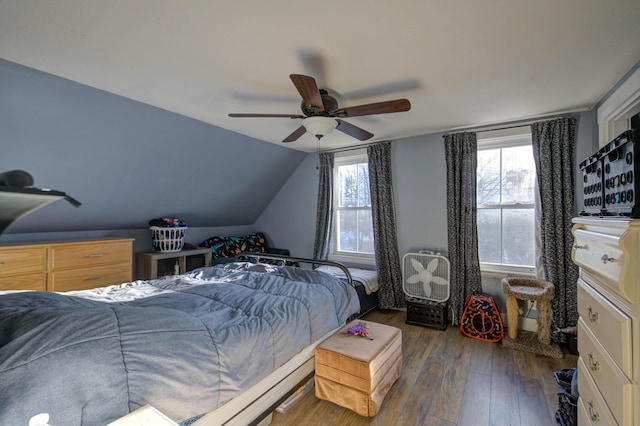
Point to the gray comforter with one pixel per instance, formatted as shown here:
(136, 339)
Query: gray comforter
(184, 344)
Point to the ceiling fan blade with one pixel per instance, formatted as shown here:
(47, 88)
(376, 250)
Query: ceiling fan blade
(354, 131)
(308, 89)
(386, 107)
(267, 115)
(295, 135)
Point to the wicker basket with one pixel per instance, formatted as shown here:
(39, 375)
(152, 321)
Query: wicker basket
(168, 240)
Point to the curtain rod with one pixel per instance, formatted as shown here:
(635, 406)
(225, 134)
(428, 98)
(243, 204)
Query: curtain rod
(470, 129)
(504, 128)
(352, 147)
(492, 129)
(364, 145)
(513, 125)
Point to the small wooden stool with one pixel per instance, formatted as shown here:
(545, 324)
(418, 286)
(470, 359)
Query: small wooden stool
(529, 289)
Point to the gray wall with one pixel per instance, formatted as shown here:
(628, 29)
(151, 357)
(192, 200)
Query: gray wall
(128, 162)
(419, 182)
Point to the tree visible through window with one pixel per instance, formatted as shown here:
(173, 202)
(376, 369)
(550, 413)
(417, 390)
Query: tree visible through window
(506, 205)
(353, 223)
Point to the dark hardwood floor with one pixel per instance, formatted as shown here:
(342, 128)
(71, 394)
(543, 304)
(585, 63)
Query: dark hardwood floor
(449, 379)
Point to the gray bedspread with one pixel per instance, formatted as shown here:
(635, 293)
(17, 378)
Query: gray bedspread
(184, 344)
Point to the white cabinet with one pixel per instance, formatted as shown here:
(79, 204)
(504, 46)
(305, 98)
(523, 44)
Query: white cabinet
(607, 252)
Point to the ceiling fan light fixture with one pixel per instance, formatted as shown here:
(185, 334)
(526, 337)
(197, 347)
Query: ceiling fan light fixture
(319, 126)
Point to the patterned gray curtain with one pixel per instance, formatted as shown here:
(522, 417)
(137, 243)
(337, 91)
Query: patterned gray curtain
(324, 213)
(390, 294)
(553, 152)
(461, 157)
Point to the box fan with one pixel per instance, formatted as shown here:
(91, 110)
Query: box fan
(425, 276)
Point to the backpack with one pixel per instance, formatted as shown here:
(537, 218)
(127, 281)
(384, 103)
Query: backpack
(481, 319)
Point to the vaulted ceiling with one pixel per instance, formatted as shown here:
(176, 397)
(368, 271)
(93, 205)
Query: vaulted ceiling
(461, 63)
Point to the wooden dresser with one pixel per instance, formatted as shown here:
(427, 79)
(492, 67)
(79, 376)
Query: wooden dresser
(607, 252)
(65, 265)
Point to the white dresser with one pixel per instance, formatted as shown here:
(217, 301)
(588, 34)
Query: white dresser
(607, 252)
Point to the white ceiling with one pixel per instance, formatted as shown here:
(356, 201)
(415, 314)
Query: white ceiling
(461, 63)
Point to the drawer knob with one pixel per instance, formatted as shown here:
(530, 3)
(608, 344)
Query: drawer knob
(578, 246)
(607, 259)
(593, 316)
(595, 416)
(593, 365)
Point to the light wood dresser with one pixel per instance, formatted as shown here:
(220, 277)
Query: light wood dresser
(607, 252)
(65, 265)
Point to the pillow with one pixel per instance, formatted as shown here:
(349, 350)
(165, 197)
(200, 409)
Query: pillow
(231, 246)
(222, 246)
(254, 243)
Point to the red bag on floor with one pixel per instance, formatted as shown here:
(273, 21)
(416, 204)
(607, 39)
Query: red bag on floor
(481, 319)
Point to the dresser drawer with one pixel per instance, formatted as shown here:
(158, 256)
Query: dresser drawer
(612, 383)
(17, 261)
(609, 324)
(34, 281)
(85, 278)
(78, 255)
(592, 408)
(610, 257)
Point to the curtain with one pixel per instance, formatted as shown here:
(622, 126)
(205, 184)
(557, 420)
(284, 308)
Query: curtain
(465, 279)
(390, 293)
(553, 152)
(324, 213)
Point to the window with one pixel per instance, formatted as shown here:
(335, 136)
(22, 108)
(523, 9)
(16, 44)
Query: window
(352, 238)
(506, 180)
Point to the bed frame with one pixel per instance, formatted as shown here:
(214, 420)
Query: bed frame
(256, 403)
(312, 262)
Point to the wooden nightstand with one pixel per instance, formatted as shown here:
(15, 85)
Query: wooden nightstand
(156, 264)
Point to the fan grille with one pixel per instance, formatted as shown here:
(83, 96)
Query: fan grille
(426, 276)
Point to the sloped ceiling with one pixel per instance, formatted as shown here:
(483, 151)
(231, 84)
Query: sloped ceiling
(461, 63)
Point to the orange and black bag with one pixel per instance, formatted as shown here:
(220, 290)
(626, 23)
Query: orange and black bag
(481, 319)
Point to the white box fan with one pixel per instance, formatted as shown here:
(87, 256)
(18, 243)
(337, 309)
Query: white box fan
(425, 275)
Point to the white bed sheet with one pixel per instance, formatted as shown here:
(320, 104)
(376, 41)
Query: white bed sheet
(369, 279)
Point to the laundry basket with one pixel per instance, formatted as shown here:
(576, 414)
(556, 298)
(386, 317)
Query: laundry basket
(168, 239)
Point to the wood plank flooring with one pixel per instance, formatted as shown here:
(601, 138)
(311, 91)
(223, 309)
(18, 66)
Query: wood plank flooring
(450, 380)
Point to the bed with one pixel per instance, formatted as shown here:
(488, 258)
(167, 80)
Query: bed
(218, 345)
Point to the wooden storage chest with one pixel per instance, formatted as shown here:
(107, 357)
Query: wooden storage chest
(356, 372)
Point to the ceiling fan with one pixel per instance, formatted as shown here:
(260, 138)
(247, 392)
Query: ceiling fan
(320, 112)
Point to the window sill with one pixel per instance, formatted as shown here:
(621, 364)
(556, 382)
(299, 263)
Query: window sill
(353, 259)
(501, 273)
